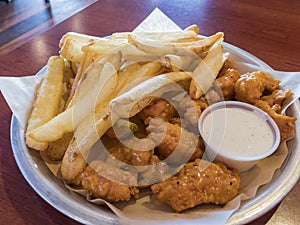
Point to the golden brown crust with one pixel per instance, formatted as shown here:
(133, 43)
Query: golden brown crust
(198, 182)
(251, 86)
(99, 186)
(176, 138)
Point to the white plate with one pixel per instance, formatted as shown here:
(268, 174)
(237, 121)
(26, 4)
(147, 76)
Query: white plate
(52, 189)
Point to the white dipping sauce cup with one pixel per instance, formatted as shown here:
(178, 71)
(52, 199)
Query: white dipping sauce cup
(237, 134)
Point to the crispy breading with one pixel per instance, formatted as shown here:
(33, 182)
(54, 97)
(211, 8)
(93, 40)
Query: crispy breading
(131, 156)
(158, 108)
(285, 123)
(198, 182)
(226, 82)
(251, 86)
(186, 143)
(192, 109)
(276, 98)
(95, 179)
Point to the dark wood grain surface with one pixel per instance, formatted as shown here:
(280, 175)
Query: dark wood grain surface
(268, 29)
(21, 20)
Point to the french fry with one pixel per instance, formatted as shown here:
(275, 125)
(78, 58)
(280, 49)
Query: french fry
(71, 44)
(78, 37)
(136, 73)
(202, 45)
(133, 54)
(163, 48)
(207, 71)
(125, 105)
(86, 61)
(102, 46)
(54, 129)
(71, 50)
(75, 158)
(161, 36)
(95, 79)
(47, 101)
(186, 40)
(180, 63)
(156, 48)
(193, 28)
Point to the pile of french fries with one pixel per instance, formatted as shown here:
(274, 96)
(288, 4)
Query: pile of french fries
(109, 75)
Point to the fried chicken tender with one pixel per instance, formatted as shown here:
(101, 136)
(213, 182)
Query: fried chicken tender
(96, 180)
(226, 82)
(285, 123)
(133, 157)
(223, 87)
(158, 108)
(174, 137)
(192, 109)
(251, 86)
(276, 98)
(156, 173)
(228, 64)
(198, 182)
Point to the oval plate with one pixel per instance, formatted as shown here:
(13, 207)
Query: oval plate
(52, 189)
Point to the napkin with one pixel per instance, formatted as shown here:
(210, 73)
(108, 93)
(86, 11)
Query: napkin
(19, 93)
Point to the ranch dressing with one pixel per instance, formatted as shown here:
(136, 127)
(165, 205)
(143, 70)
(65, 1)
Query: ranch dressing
(238, 131)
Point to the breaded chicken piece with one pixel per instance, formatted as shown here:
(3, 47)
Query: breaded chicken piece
(251, 86)
(148, 165)
(228, 64)
(192, 109)
(198, 182)
(276, 98)
(133, 157)
(223, 87)
(158, 108)
(158, 172)
(226, 82)
(109, 183)
(285, 123)
(169, 137)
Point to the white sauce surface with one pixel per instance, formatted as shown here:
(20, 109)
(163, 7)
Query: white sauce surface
(237, 131)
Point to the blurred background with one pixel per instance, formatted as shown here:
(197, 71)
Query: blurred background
(20, 20)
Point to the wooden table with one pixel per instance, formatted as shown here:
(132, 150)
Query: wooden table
(268, 29)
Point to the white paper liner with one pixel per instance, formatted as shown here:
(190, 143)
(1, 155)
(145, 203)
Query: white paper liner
(157, 21)
(19, 93)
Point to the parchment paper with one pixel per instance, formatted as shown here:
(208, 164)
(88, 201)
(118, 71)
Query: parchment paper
(19, 93)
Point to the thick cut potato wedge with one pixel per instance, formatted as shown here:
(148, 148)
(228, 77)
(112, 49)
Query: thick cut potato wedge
(47, 101)
(126, 105)
(71, 44)
(206, 72)
(160, 49)
(160, 36)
